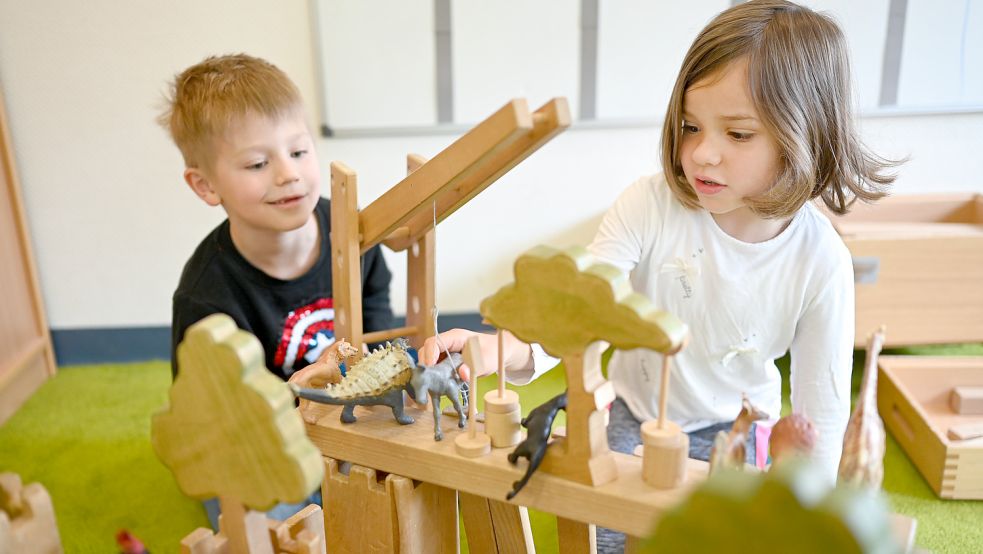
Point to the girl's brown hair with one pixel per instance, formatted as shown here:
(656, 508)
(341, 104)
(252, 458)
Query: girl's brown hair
(207, 97)
(799, 80)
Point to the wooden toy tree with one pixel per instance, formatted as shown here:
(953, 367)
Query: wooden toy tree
(567, 302)
(231, 431)
(788, 509)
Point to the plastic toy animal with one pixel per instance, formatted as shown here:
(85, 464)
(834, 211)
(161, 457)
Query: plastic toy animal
(324, 371)
(862, 462)
(539, 423)
(729, 448)
(440, 379)
(793, 435)
(378, 379)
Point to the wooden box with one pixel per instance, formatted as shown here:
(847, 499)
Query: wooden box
(913, 400)
(918, 263)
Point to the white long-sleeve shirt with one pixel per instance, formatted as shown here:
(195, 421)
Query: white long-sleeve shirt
(746, 304)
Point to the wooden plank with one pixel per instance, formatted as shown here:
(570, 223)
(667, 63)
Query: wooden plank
(22, 375)
(387, 334)
(626, 504)
(476, 513)
(358, 511)
(967, 400)
(346, 263)
(417, 190)
(965, 431)
(19, 280)
(548, 121)
(426, 517)
(513, 533)
(915, 208)
(575, 537)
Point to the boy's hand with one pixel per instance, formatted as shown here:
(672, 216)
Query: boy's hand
(517, 354)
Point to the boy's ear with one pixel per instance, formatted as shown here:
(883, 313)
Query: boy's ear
(201, 186)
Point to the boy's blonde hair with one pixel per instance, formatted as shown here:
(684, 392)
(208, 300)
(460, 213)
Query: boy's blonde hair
(207, 97)
(799, 81)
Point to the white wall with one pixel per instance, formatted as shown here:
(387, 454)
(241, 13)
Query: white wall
(112, 222)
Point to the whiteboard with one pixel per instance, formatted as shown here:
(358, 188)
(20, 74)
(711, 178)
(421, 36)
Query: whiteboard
(614, 61)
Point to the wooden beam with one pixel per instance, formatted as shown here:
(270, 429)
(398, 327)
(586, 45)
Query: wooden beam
(626, 504)
(548, 121)
(416, 192)
(386, 334)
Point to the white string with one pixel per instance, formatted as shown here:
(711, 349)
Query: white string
(434, 312)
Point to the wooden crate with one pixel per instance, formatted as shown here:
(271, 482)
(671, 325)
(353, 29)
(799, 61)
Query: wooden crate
(913, 399)
(918, 261)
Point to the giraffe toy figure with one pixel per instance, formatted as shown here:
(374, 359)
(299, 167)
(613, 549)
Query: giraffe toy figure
(862, 462)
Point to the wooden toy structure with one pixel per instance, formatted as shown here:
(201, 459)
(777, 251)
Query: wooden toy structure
(403, 218)
(231, 430)
(27, 518)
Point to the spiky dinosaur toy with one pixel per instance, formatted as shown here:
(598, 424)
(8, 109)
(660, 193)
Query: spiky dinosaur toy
(377, 379)
(862, 462)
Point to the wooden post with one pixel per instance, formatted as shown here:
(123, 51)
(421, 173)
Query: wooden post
(502, 410)
(473, 444)
(421, 296)
(346, 263)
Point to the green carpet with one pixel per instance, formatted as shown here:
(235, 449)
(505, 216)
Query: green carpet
(85, 436)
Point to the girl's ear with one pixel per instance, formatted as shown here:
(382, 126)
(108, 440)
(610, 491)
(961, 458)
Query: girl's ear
(201, 186)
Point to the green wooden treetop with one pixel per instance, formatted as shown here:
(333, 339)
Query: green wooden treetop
(788, 509)
(565, 300)
(231, 428)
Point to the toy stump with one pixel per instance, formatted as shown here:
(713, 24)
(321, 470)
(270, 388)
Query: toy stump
(502, 411)
(472, 444)
(665, 450)
(665, 445)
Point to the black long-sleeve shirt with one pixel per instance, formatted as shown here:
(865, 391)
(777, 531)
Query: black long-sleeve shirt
(293, 320)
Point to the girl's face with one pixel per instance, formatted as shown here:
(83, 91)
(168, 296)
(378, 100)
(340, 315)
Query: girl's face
(726, 151)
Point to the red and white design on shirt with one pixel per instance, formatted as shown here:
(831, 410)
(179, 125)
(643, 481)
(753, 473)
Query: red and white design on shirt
(307, 331)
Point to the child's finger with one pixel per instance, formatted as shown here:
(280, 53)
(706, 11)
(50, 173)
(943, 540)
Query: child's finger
(465, 372)
(453, 340)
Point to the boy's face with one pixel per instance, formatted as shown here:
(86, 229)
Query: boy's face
(726, 151)
(263, 172)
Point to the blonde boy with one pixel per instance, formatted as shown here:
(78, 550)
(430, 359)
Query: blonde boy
(240, 125)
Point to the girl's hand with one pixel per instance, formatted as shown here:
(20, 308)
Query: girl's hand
(517, 354)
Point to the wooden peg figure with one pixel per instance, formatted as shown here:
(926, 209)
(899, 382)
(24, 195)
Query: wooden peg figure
(472, 444)
(665, 445)
(502, 411)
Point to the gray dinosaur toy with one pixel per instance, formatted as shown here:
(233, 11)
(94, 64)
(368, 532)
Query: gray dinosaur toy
(441, 379)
